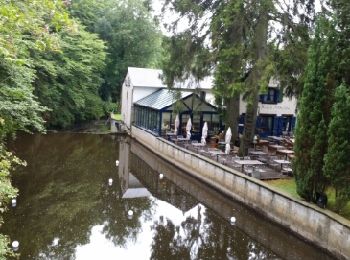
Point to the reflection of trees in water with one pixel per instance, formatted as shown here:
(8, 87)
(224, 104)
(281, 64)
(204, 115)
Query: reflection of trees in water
(202, 235)
(64, 193)
(203, 238)
(118, 227)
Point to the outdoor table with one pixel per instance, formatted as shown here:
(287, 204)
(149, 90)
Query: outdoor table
(181, 139)
(262, 142)
(282, 162)
(248, 162)
(275, 138)
(285, 152)
(198, 145)
(257, 153)
(276, 147)
(217, 153)
(170, 134)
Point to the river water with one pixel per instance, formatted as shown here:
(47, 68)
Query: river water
(67, 209)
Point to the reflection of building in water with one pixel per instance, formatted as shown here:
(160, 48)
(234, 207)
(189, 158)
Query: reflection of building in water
(130, 186)
(163, 190)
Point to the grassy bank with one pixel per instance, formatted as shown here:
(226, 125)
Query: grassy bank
(289, 186)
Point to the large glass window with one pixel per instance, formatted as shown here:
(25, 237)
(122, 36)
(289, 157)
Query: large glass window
(184, 119)
(265, 125)
(166, 121)
(196, 122)
(216, 123)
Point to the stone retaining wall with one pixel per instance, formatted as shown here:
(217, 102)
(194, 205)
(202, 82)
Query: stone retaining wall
(321, 227)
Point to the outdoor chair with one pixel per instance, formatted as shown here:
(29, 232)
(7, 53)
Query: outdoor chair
(272, 163)
(287, 171)
(248, 170)
(232, 164)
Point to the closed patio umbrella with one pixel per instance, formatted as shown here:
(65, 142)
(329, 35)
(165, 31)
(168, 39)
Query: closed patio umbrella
(177, 124)
(188, 129)
(204, 133)
(228, 136)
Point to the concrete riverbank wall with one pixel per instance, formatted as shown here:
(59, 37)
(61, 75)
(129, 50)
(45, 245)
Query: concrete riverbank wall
(321, 227)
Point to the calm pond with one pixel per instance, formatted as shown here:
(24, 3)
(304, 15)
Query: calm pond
(68, 209)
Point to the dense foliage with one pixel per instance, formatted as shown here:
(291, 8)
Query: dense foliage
(322, 135)
(53, 70)
(337, 164)
(131, 37)
(67, 81)
(233, 41)
(311, 131)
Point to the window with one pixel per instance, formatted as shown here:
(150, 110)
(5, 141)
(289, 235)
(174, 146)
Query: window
(166, 121)
(271, 97)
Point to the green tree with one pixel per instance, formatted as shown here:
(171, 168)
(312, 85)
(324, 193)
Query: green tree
(235, 38)
(26, 27)
(337, 164)
(67, 81)
(314, 114)
(132, 37)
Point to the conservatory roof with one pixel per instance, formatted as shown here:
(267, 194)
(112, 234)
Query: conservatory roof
(161, 98)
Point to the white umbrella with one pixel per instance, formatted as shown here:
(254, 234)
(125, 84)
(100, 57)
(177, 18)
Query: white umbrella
(204, 133)
(228, 136)
(188, 129)
(177, 123)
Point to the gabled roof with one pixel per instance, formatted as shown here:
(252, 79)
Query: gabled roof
(161, 98)
(142, 77)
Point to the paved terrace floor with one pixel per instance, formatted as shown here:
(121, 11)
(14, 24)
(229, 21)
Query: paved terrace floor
(266, 162)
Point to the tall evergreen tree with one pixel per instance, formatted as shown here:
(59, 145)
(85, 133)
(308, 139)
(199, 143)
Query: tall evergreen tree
(314, 115)
(337, 163)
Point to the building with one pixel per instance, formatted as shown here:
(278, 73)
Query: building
(276, 113)
(147, 103)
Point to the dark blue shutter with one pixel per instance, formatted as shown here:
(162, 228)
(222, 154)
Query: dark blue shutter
(275, 125)
(293, 123)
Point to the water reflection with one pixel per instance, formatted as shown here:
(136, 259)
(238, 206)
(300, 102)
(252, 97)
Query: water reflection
(67, 210)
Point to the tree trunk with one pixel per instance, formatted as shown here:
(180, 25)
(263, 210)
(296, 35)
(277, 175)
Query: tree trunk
(232, 114)
(259, 56)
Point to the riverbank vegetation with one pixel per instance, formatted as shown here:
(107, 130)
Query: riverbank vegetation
(61, 63)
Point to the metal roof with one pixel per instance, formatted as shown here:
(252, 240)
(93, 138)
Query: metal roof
(161, 98)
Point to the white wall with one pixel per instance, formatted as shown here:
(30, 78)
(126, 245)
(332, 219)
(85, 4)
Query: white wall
(286, 107)
(126, 103)
(130, 95)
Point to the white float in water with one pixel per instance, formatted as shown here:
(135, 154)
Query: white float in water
(55, 241)
(14, 202)
(161, 176)
(110, 181)
(116, 163)
(15, 245)
(233, 220)
(130, 212)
